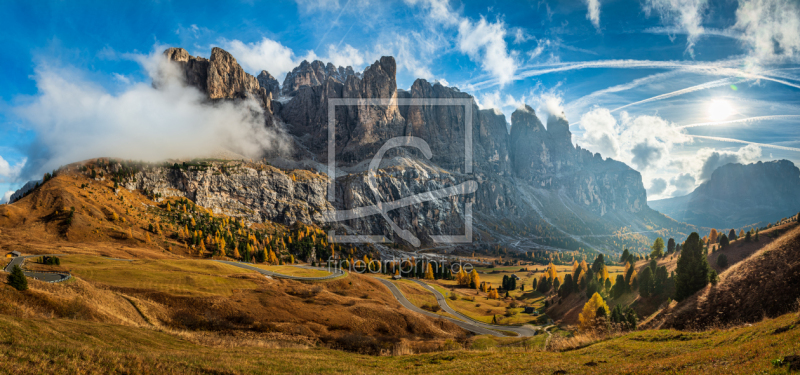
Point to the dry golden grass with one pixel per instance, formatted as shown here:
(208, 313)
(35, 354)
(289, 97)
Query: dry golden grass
(763, 285)
(294, 271)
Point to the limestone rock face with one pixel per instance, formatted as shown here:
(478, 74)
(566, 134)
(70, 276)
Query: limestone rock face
(269, 83)
(220, 77)
(257, 193)
(546, 158)
(314, 74)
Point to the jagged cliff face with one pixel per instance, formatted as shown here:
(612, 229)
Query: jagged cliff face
(256, 192)
(315, 74)
(515, 171)
(221, 78)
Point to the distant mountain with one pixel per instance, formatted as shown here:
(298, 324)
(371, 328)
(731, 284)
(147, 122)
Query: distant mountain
(737, 195)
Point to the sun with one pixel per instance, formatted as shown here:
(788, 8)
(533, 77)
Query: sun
(719, 110)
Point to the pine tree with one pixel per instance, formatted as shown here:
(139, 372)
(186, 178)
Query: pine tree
(722, 261)
(671, 246)
(732, 235)
(723, 241)
(17, 279)
(646, 282)
(691, 274)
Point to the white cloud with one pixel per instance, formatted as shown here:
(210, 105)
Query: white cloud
(684, 183)
(266, 54)
(277, 59)
(413, 52)
(771, 28)
(600, 133)
(10, 171)
(686, 15)
(347, 56)
(657, 187)
(6, 196)
(713, 159)
(484, 42)
(521, 36)
(75, 119)
(645, 142)
(593, 12)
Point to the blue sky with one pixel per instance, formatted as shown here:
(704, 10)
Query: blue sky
(628, 75)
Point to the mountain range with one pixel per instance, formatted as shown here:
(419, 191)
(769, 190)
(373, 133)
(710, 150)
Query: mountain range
(536, 190)
(739, 195)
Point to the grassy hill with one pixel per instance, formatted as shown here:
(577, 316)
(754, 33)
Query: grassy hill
(763, 285)
(62, 346)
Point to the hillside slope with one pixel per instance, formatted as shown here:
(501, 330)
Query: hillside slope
(737, 195)
(763, 285)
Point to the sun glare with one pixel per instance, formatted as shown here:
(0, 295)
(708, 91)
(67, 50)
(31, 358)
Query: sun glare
(719, 110)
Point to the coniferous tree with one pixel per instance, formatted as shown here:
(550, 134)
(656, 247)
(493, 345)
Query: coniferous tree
(691, 274)
(723, 241)
(625, 256)
(566, 288)
(671, 246)
(646, 282)
(17, 279)
(732, 235)
(722, 261)
(598, 263)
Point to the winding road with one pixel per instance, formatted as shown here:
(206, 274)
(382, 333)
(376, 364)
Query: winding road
(50, 277)
(407, 304)
(524, 330)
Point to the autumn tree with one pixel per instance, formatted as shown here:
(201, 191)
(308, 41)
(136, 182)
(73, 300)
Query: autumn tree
(588, 317)
(429, 272)
(712, 236)
(691, 274)
(474, 279)
(658, 248)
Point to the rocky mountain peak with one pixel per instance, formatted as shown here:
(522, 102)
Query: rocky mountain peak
(220, 77)
(269, 83)
(738, 195)
(558, 127)
(314, 74)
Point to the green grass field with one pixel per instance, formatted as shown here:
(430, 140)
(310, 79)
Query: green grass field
(178, 277)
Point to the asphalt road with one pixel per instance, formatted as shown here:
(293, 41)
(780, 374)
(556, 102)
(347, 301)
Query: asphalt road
(525, 330)
(407, 304)
(335, 272)
(43, 276)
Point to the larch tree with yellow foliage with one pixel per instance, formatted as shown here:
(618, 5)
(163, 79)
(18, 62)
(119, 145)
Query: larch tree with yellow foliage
(474, 279)
(429, 272)
(589, 318)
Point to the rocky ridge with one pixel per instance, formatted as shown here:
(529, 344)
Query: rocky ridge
(520, 173)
